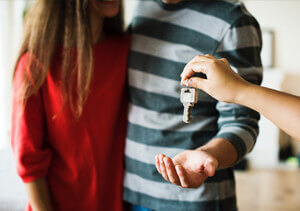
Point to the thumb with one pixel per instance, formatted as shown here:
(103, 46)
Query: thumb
(195, 82)
(210, 167)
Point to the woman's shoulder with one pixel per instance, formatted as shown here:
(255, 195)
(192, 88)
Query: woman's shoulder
(22, 64)
(24, 60)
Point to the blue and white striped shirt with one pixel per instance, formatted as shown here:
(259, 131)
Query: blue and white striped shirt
(165, 38)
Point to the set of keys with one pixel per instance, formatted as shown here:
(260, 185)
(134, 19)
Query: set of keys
(188, 97)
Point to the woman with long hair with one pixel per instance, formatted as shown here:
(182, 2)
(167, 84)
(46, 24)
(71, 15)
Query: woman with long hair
(69, 105)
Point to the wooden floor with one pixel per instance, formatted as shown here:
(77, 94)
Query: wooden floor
(268, 190)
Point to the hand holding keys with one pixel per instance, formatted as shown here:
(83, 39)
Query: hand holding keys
(188, 96)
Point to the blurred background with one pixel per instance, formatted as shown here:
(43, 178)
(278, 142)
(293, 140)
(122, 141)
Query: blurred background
(268, 179)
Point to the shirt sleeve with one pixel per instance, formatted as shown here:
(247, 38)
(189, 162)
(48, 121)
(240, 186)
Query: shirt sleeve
(241, 46)
(32, 156)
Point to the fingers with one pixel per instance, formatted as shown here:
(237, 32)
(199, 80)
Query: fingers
(171, 171)
(192, 67)
(182, 176)
(195, 65)
(195, 82)
(210, 56)
(200, 64)
(166, 168)
(157, 164)
(163, 167)
(224, 60)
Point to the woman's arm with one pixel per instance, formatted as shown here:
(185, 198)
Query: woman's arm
(32, 154)
(225, 85)
(281, 108)
(39, 195)
(192, 167)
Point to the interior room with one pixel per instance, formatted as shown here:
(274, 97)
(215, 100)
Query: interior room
(266, 180)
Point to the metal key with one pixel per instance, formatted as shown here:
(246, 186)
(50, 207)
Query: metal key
(188, 97)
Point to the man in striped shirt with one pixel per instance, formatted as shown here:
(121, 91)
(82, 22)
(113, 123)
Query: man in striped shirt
(165, 38)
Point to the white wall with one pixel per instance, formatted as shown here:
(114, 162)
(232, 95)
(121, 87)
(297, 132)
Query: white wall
(282, 16)
(3, 73)
(129, 6)
(11, 27)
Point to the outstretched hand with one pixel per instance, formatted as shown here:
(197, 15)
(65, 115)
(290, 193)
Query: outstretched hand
(188, 169)
(222, 82)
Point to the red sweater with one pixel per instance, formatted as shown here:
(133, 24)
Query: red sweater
(81, 159)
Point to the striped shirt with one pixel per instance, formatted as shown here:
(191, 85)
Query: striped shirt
(165, 38)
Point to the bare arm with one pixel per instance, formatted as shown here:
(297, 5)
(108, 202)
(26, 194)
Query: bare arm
(281, 108)
(222, 150)
(225, 85)
(39, 195)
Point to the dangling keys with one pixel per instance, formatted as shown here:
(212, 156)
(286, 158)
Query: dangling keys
(188, 96)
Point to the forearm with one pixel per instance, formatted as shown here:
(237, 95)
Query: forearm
(222, 150)
(281, 108)
(39, 195)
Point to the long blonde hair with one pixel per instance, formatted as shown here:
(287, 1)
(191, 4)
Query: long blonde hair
(53, 23)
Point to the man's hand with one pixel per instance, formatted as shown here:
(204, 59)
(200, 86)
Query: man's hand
(188, 169)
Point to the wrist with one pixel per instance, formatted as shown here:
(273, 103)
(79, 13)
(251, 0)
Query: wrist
(211, 155)
(222, 151)
(242, 93)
